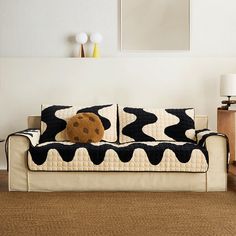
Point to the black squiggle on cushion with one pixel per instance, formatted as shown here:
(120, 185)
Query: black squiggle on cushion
(28, 132)
(54, 124)
(97, 152)
(134, 129)
(177, 132)
(95, 109)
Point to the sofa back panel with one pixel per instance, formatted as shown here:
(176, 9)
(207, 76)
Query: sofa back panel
(201, 122)
(34, 122)
(54, 120)
(144, 124)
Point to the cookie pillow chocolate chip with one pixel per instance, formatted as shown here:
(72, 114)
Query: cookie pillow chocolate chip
(85, 127)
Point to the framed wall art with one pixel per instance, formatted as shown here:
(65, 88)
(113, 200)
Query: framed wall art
(155, 25)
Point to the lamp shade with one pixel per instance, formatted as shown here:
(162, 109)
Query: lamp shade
(228, 85)
(81, 38)
(96, 38)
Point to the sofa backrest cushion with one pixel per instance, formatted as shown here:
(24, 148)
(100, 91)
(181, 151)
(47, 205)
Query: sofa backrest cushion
(54, 120)
(138, 124)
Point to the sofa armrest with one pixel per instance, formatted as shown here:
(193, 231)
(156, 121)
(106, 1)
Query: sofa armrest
(17, 146)
(217, 146)
(203, 134)
(32, 135)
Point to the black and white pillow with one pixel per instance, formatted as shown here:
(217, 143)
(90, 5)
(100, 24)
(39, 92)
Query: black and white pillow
(54, 120)
(139, 124)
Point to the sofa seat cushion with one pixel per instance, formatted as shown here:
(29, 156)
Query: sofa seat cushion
(103, 156)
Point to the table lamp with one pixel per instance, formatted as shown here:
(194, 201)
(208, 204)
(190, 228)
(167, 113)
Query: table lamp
(96, 38)
(228, 89)
(81, 39)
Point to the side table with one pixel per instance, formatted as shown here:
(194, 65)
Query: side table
(226, 124)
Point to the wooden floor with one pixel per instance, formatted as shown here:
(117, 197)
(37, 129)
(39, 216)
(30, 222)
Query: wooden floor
(231, 180)
(3, 181)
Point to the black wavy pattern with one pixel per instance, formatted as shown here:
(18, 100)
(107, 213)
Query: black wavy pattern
(97, 152)
(134, 129)
(94, 109)
(29, 132)
(177, 132)
(54, 124)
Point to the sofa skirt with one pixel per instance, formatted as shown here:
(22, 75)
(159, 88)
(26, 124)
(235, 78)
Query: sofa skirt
(113, 181)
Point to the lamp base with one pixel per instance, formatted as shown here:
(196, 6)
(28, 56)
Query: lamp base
(227, 103)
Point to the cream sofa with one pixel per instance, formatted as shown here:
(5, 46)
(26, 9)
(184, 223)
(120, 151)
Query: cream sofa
(23, 179)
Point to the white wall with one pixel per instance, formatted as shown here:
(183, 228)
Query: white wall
(36, 28)
(39, 28)
(33, 28)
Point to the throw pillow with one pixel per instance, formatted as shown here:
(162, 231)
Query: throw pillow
(54, 120)
(85, 128)
(139, 124)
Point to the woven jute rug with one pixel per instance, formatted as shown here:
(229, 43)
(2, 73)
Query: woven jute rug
(117, 213)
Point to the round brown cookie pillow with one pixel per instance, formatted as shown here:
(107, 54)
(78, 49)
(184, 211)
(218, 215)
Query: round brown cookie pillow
(85, 127)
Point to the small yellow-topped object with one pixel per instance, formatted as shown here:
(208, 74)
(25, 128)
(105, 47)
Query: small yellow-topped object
(96, 51)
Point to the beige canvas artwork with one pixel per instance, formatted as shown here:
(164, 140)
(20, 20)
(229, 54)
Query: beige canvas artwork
(155, 24)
